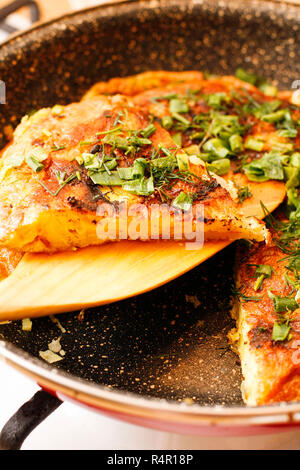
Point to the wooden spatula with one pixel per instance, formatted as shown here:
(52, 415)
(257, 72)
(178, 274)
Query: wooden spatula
(46, 284)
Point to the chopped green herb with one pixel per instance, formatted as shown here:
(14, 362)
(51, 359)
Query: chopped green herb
(283, 304)
(177, 139)
(183, 201)
(111, 131)
(265, 108)
(167, 122)
(148, 131)
(84, 143)
(192, 150)
(243, 193)
(220, 167)
(56, 148)
(181, 119)
(236, 143)
(118, 118)
(216, 147)
(266, 168)
(215, 100)
(140, 187)
(183, 162)
(254, 144)
(34, 164)
(60, 175)
(245, 76)
(54, 194)
(104, 179)
(38, 154)
(262, 272)
(275, 117)
(268, 90)
(178, 106)
(245, 298)
(280, 331)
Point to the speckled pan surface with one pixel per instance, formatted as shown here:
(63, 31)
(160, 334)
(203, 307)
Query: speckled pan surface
(170, 343)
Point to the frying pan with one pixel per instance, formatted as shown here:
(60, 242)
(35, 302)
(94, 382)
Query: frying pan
(161, 359)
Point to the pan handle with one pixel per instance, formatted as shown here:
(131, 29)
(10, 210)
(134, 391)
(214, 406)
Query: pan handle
(26, 419)
(16, 5)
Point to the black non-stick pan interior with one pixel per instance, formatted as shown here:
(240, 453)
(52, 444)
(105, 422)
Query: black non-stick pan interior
(172, 342)
(169, 343)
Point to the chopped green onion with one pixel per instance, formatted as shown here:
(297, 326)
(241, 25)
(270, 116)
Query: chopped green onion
(104, 179)
(83, 143)
(111, 131)
(268, 90)
(11, 161)
(125, 173)
(79, 160)
(177, 139)
(220, 167)
(283, 304)
(245, 76)
(138, 169)
(275, 117)
(217, 147)
(262, 272)
(293, 198)
(192, 150)
(181, 119)
(140, 187)
(56, 148)
(264, 269)
(38, 154)
(178, 106)
(266, 168)
(243, 193)
(167, 122)
(254, 144)
(34, 164)
(280, 331)
(148, 131)
(197, 135)
(91, 162)
(110, 165)
(292, 176)
(183, 162)
(258, 282)
(265, 108)
(236, 143)
(60, 175)
(183, 201)
(215, 99)
(295, 159)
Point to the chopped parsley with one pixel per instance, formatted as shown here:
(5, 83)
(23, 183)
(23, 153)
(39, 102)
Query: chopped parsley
(243, 193)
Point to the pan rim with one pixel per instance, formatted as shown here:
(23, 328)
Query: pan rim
(150, 4)
(30, 365)
(44, 373)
